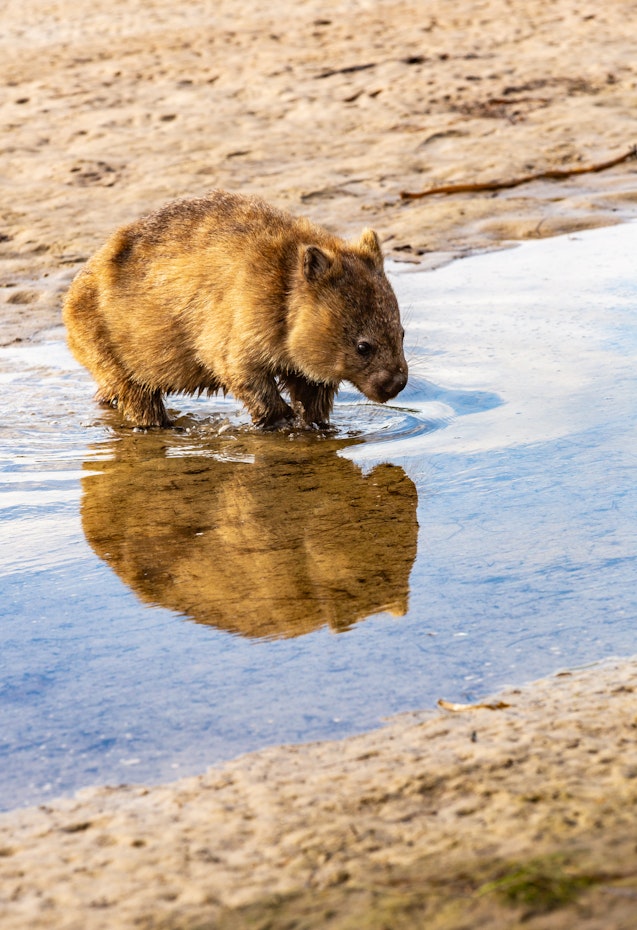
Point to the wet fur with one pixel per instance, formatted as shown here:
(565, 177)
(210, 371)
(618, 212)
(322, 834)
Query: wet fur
(228, 293)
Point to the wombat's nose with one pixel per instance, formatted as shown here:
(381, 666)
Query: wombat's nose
(394, 383)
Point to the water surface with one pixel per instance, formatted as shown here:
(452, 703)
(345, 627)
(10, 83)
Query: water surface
(171, 599)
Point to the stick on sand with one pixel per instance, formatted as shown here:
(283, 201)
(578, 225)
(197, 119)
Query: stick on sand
(551, 173)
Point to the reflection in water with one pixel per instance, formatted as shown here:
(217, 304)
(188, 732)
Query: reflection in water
(258, 535)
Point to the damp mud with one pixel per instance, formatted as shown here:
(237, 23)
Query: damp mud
(172, 599)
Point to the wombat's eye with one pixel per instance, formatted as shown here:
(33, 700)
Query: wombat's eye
(364, 349)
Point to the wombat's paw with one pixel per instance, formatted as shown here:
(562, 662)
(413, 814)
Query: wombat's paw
(143, 424)
(106, 398)
(155, 423)
(136, 428)
(277, 419)
(280, 423)
(315, 424)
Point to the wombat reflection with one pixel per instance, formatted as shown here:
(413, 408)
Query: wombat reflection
(227, 293)
(275, 547)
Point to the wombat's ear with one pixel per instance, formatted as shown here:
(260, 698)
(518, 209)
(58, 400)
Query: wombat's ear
(316, 263)
(369, 247)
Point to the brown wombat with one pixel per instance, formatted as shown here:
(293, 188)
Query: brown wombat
(228, 293)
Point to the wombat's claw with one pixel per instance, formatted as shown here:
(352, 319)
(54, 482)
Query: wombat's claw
(271, 425)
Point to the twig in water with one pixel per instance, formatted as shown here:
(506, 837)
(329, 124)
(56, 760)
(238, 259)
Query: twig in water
(552, 173)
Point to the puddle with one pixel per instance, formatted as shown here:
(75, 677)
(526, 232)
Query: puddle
(172, 599)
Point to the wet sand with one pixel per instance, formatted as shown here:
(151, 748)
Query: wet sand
(331, 109)
(520, 808)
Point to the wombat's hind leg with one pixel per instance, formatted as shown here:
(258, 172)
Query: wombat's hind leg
(142, 406)
(311, 402)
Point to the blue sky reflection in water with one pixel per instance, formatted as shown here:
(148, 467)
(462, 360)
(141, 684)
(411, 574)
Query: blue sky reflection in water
(495, 503)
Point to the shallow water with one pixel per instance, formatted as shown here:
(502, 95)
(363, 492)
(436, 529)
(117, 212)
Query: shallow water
(172, 599)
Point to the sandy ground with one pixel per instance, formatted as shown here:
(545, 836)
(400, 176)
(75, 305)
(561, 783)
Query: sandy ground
(485, 816)
(327, 107)
(331, 108)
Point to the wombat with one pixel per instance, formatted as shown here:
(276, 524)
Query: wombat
(228, 293)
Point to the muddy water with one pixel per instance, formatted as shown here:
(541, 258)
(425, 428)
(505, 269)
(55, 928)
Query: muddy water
(171, 599)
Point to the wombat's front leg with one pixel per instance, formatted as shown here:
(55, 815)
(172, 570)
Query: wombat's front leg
(312, 402)
(264, 403)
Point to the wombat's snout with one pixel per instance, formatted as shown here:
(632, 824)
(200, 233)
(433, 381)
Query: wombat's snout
(387, 384)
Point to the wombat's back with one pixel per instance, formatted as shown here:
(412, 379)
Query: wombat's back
(183, 283)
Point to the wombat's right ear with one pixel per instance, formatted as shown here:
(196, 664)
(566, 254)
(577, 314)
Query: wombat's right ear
(369, 246)
(316, 263)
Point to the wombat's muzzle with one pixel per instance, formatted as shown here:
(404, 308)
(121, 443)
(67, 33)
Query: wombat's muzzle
(386, 385)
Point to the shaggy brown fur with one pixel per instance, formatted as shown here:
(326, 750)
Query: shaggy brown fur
(228, 293)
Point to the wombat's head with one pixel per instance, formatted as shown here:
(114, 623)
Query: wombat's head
(345, 322)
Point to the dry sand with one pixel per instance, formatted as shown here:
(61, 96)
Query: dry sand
(328, 107)
(331, 108)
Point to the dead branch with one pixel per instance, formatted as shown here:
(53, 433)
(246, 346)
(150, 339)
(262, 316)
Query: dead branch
(551, 173)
